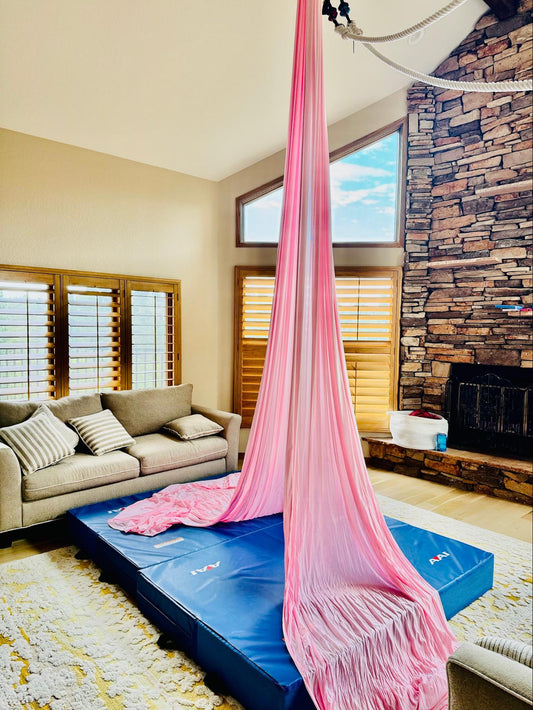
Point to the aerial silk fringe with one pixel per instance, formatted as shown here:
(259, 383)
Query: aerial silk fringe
(362, 626)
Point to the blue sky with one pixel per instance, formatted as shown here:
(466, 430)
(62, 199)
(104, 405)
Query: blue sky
(363, 198)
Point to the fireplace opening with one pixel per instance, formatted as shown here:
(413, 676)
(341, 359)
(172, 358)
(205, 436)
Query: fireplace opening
(490, 409)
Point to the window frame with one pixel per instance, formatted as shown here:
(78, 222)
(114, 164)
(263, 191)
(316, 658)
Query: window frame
(394, 272)
(399, 126)
(61, 278)
(162, 286)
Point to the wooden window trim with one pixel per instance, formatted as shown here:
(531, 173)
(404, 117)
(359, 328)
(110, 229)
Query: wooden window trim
(399, 126)
(393, 272)
(61, 278)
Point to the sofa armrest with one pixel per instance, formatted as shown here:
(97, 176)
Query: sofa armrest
(232, 426)
(480, 679)
(10, 490)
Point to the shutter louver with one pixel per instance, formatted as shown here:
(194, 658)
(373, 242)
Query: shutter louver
(27, 339)
(153, 338)
(257, 296)
(94, 341)
(367, 307)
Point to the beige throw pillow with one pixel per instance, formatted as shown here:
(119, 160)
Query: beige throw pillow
(66, 432)
(101, 432)
(36, 443)
(192, 427)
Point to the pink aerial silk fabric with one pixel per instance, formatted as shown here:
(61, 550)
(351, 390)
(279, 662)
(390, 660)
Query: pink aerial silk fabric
(364, 629)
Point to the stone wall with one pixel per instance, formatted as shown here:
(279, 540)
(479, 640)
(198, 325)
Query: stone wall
(490, 475)
(468, 215)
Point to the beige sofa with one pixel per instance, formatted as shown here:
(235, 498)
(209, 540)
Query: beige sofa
(492, 674)
(155, 460)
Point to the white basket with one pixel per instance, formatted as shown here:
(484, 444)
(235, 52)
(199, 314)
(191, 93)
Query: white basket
(416, 432)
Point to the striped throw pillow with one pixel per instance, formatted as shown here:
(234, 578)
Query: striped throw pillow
(66, 432)
(36, 443)
(101, 432)
(517, 650)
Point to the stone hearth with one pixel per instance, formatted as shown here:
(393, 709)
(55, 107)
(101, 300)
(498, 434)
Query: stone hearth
(491, 475)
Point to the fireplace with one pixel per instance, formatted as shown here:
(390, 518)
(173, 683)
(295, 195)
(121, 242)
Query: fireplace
(490, 409)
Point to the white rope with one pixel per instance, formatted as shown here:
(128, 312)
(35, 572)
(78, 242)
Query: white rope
(526, 85)
(351, 31)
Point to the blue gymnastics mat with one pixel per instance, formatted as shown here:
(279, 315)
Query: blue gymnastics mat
(122, 555)
(219, 590)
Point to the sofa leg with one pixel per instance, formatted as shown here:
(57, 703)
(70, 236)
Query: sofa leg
(168, 643)
(106, 578)
(216, 684)
(6, 540)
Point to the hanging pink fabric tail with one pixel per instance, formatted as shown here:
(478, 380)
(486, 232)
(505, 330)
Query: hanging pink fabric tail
(364, 629)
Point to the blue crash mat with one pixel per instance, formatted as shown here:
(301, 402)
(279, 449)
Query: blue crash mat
(225, 605)
(121, 555)
(85, 523)
(219, 590)
(459, 572)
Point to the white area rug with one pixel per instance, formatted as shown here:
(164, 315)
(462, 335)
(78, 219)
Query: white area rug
(69, 642)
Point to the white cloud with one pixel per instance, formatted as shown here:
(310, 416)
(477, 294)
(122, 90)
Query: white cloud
(341, 198)
(350, 172)
(268, 202)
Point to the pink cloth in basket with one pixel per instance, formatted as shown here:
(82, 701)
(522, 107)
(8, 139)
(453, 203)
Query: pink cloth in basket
(364, 629)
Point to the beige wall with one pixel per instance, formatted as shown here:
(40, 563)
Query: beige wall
(69, 208)
(349, 129)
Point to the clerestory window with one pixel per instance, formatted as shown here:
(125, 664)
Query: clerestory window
(366, 184)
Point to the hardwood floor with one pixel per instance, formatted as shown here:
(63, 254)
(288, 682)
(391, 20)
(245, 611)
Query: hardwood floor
(501, 516)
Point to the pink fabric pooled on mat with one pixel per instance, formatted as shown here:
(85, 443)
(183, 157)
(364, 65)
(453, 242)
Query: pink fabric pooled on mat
(364, 629)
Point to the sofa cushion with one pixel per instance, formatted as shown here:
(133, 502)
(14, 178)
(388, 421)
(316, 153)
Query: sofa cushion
(16, 412)
(192, 427)
(63, 408)
(101, 432)
(146, 411)
(158, 452)
(79, 472)
(36, 443)
(75, 405)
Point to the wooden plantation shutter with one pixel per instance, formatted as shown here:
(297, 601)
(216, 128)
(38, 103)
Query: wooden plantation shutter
(368, 318)
(255, 290)
(77, 332)
(368, 302)
(154, 334)
(27, 335)
(94, 334)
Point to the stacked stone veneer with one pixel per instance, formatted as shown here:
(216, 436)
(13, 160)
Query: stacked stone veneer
(468, 215)
(511, 480)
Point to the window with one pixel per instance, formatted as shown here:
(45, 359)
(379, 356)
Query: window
(27, 335)
(154, 341)
(367, 184)
(368, 302)
(71, 333)
(94, 335)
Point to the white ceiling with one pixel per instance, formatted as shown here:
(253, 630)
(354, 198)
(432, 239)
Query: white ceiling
(197, 87)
